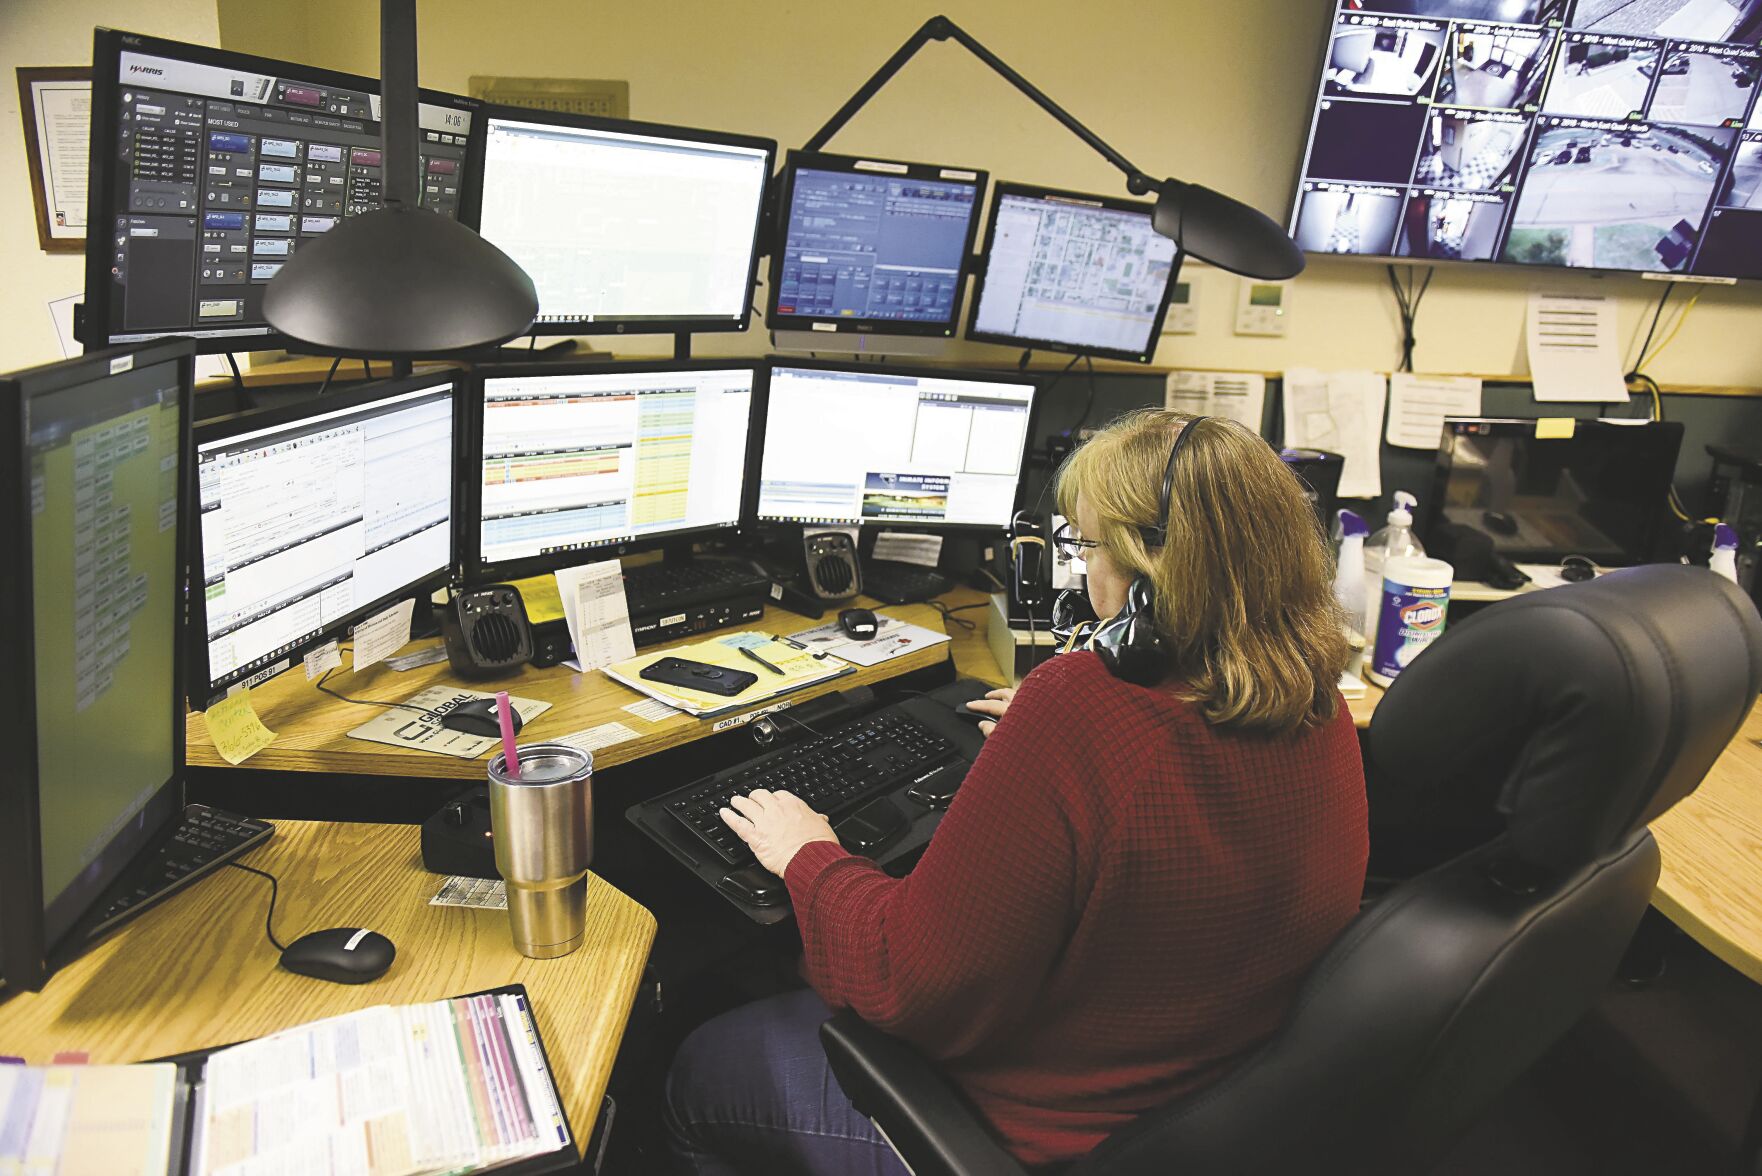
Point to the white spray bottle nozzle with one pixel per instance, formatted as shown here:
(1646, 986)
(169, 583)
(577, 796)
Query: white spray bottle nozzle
(1402, 515)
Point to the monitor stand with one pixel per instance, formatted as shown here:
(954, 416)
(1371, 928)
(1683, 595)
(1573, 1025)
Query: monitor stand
(847, 343)
(552, 352)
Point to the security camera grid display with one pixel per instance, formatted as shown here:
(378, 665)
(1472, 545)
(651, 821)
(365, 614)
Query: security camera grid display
(1599, 134)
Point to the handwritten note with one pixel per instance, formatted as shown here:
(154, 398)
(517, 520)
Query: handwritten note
(1340, 412)
(1419, 404)
(381, 635)
(237, 732)
(1574, 355)
(597, 613)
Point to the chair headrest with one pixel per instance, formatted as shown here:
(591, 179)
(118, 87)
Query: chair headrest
(1592, 708)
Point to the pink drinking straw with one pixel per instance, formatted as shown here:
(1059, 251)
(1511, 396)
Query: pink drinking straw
(505, 716)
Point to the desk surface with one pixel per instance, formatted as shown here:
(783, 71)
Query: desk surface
(312, 729)
(197, 971)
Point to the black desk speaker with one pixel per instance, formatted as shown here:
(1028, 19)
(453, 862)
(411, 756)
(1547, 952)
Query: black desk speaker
(832, 567)
(486, 631)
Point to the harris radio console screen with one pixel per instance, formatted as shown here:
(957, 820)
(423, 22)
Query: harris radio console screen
(220, 169)
(1595, 134)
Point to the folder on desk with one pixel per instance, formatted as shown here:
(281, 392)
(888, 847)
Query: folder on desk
(460, 1085)
(800, 668)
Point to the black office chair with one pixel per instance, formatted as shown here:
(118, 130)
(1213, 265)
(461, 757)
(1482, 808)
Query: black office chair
(1580, 715)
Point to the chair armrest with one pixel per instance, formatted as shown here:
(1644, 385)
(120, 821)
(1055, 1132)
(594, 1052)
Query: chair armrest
(924, 1116)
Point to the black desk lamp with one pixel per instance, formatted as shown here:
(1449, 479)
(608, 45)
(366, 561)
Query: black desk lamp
(1204, 224)
(400, 280)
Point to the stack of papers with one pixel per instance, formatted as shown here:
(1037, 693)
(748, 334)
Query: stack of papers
(800, 667)
(79, 1119)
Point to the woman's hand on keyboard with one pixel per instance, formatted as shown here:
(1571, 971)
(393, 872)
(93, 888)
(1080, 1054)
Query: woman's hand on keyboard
(993, 704)
(775, 825)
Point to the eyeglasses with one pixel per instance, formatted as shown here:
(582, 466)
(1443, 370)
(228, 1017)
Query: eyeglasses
(1068, 546)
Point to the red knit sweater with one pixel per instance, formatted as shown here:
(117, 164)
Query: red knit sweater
(1119, 904)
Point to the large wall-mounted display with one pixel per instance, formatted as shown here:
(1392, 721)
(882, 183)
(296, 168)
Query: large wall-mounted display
(1601, 134)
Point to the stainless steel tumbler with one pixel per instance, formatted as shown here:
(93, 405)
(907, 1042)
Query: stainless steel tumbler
(542, 822)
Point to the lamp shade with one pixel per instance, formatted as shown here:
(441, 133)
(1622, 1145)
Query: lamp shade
(400, 280)
(1226, 233)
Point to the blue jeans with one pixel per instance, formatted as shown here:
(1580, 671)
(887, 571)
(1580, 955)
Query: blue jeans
(751, 1092)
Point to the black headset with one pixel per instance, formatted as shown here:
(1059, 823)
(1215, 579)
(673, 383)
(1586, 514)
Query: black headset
(1129, 644)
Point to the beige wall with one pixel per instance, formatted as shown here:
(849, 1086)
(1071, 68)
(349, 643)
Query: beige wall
(57, 32)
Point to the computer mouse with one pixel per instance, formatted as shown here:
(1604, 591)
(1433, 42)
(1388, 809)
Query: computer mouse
(1499, 522)
(478, 717)
(859, 624)
(345, 955)
(1576, 569)
(971, 716)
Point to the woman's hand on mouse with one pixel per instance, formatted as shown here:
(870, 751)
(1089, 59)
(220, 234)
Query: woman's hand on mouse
(775, 825)
(993, 704)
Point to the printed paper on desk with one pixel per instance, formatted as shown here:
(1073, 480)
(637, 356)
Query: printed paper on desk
(1340, 412)
(417, 724)
(923, 550)
(1574, 355)
(597, 613)
(380, 636)
(1240, 396)
(594, 738)
(894, 638)
(1418, 406)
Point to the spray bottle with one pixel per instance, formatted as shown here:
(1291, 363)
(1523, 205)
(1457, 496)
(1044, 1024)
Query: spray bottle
(1395, 541)
(1349, 581)
(1725, 552)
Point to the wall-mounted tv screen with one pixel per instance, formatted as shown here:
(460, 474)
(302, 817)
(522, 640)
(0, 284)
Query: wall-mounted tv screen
(1591, 134)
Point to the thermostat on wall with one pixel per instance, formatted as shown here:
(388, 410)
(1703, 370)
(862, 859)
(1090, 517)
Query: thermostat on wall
(1262, 308)
(1183, 315)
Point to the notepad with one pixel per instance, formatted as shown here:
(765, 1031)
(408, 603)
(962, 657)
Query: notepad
(800, 668)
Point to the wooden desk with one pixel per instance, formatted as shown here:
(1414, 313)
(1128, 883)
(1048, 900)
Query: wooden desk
(197, 971)
(312, 729)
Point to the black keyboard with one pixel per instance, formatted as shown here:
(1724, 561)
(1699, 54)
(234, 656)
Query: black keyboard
(202, 842)
(900, 583)
(836, 773)
(661, 587)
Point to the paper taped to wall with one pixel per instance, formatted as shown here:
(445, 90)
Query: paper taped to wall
(1418, 406)
(1240, 396)
(1340, 412)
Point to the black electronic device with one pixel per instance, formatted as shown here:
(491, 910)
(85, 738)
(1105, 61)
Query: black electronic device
(872, 246)
(1595, 136)
(833, 570)
(626, 227)
(210, 169)
(458, 840)
(883, 778)
(892, 582)
(342, 955)
(695, 675)
(1319, 471)
(1601, 493)
(859, 624)
(481, 717)
(575, 463)
(924, 449)
(314, 517)
(1576, 569)
(94, 512)
(1071, 272)
(486, 632)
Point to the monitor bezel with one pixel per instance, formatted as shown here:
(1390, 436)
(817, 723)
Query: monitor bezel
(471, 209)
(107, 48)
(869, 166)
(473, 569)
(1006, 188)
(1668, 433)
(202, 691)
(977, 375)
(27, 956)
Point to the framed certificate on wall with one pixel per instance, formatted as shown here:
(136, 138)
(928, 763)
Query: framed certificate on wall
(56, 105)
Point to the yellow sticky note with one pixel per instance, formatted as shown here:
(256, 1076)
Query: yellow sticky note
(1555, 428)
(237, 732)
(539, 594)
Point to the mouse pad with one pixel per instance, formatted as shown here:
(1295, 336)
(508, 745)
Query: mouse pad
(417, 724)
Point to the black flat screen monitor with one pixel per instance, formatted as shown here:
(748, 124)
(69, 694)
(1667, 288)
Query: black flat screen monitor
(91, 709)
(210, 169)
(1592, 134)
(872, 245)
(1600, 493)
(584, 463)
(314, 517)
(625, 227)
(916, 449)
(1065, 271)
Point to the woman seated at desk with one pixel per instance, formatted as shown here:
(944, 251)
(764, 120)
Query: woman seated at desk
(1132, 881)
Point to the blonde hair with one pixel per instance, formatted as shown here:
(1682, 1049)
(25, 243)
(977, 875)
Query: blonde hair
(1244, 585)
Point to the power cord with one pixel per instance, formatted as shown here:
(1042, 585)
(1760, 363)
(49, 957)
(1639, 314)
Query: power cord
(1651, 387)
(1407, 305)
(274, 890)
(323, 689)
(948, 617)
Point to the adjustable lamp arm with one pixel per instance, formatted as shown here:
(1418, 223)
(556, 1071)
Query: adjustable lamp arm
(1204, 223)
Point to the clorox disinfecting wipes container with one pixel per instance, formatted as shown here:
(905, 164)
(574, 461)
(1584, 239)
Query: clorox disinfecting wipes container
(1416, 600)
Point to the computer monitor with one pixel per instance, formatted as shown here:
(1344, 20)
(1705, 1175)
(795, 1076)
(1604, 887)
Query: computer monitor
(918, 449)
(871, 245)
(314, 517)
(91, 709)
(1600, 493)
(585, 463)
(210, 169)
(1068, 272)
(625, 227)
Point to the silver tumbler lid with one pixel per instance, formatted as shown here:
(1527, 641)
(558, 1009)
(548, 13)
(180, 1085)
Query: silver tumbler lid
(542, 764)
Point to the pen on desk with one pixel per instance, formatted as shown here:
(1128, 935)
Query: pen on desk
(755, 657)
